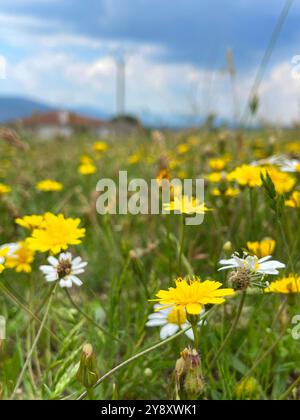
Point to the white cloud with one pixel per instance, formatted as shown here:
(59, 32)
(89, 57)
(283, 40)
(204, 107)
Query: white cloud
(49, 72)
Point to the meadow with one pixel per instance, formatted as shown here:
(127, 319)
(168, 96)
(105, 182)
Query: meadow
(97, 341)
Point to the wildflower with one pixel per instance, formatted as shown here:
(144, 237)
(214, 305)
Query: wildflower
(253, 264)
(263, 248)
(64, 269)
(293, 147)
(100, 146)
(229, 192)
(30, 222)
(188, 374)
(246, 387)
(246, 175)
(182, 148)
(284, 163)
(240, 279)
(216, 177)
(3, 253)
(285, 285)
(4, 189)
(217, 164)
(48, 185)
(186, 205)
(85, 160)
(56, 234)
(227, 247)
(134, 159)
(294, 200)
(171, 320)
(174, 163)
(192, 295)
(289, 165)
(20, 258)
(87, 169)
(282, 181)
(182, 174)
(88, 373)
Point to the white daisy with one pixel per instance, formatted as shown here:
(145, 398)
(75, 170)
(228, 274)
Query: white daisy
(9, 249)
(253, 264)
(64, 269)
(171, 320)
(284, 163)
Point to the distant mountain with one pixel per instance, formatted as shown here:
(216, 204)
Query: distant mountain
(12, 108)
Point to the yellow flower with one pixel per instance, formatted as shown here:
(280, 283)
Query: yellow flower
(192, 294)
(246, 175)
(229, 192)
(30, 222)
(282, 181)
(56, 234)
(286, 285)
(3, 253)
(186, 205)
(87, 169)
(182, 148)
(86, 160)
(135, 158)
(4, 189)
(174, 163)
(21, 259)
(216, 177)
(293, 147)
(294, 200)
(217, 164)
(100, 146)
(246, 387)
(182, 174)
(263, 248)
(48, 185)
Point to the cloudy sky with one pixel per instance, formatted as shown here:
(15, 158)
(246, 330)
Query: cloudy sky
(64, 52)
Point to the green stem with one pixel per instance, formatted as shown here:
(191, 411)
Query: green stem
(287, 393)
(89, 319)
(36, 340)
(133, 358)
(181, 245)
(15, 300)
(196, 336)
(286, 245)
(90, 394)
(232, 329)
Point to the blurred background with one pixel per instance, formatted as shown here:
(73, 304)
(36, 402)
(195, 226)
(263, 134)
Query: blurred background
(167, 63)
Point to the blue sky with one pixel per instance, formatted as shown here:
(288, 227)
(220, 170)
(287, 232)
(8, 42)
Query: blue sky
(63, 52)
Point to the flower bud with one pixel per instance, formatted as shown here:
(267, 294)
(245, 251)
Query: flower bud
(189, 374)
(227, 246)
(88, 373)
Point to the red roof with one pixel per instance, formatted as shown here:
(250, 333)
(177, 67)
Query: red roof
(59, 118)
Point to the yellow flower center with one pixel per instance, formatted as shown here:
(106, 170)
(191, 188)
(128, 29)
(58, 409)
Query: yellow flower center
(177, 316)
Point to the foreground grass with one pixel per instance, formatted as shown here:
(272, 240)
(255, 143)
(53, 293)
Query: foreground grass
(130, 258)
